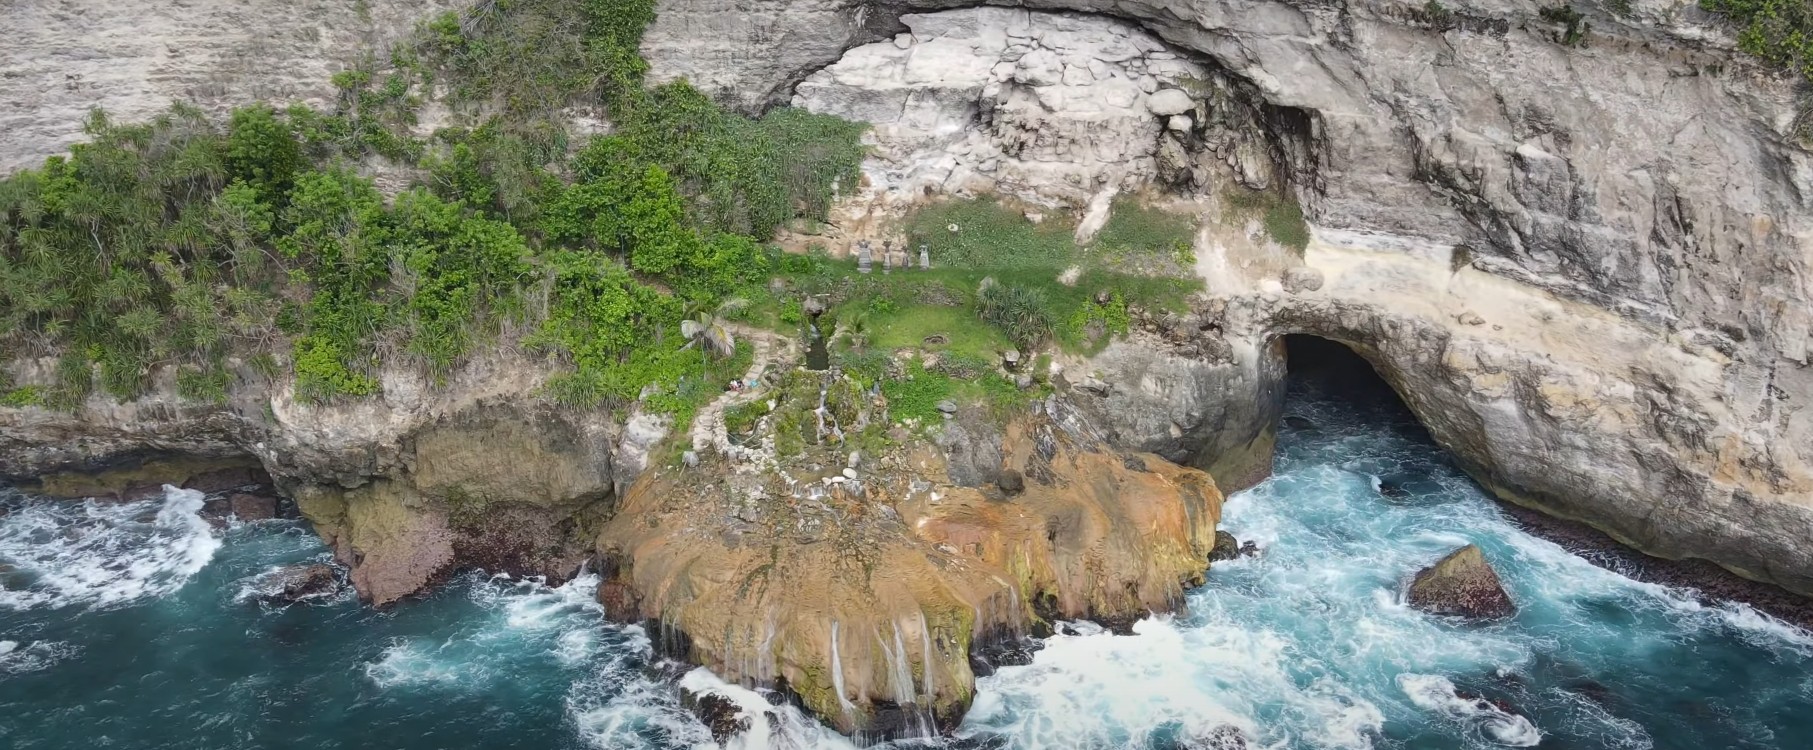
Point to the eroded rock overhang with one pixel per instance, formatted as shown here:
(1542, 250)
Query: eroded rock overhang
(1583, 268)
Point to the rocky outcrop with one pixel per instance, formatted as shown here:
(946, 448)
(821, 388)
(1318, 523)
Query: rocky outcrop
(1462, 584)
(408, 486)
(300, 583)
(1598, 303)
(866, 597)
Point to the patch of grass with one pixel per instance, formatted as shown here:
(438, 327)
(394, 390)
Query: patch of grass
(909, 327)
(916, 395)
(1282, 217)
(990, 236)
(1139, 231)
(30, 395)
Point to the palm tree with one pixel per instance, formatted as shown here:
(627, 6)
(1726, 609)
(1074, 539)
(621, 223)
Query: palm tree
(708, 330)
(857, 331)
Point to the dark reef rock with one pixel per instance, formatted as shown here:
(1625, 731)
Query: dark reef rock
(249, 507)
(1461, 584)
(1224, 737)
(1226, 547)
(301, 583)
(721, 715)
(985, 658)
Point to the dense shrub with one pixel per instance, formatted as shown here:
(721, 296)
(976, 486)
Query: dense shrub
(1778, 31)
(1020, 312)
(179, 242)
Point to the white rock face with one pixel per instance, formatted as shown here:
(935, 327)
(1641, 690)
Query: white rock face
(59, 58)
(1586, 268)
(1047, 107)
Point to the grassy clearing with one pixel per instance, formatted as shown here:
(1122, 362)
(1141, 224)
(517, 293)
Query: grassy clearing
(1140, 259)
(1141, 237)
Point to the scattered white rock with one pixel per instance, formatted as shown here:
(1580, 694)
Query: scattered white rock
(1167, 102)
(1302, 279)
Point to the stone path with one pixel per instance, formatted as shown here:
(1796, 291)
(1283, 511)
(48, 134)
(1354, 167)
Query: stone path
(708, 429)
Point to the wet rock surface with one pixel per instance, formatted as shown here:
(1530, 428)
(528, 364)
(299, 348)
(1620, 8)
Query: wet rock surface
(906, 570)
(1704, 580)
(301, 583)
(1461, 584)
(721, 715)
(1010, 651)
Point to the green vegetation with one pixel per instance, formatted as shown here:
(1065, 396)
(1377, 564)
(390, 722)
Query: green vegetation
(182, 242)
(27, 396)
(1575, 28)
(1778, 31)
(916, 395)
(1282, 217)
(1030, 281)
(1139, 234)
(1435, 14)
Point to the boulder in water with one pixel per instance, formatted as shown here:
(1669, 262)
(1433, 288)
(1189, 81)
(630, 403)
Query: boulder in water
(721, 715)
(1223, 737)
(248, 507)
(300, 583)
(1226, 547)
(1462, 584)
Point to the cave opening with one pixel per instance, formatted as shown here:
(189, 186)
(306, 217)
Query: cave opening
(1321, 369)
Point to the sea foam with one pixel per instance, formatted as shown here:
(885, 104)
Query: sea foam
(104, 554)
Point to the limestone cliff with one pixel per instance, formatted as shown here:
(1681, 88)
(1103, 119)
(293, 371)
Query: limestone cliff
(1584, 266)
(64, 57)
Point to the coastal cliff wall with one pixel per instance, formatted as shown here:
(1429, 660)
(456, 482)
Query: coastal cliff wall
(407, 486)
(1582, 261)
(1580, 257)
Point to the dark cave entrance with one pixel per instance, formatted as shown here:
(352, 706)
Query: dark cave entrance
(1325, 368)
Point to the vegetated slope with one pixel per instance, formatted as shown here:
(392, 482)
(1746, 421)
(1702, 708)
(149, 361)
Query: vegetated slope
(266, 241)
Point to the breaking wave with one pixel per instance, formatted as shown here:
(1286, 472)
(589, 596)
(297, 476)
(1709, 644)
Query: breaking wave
(102, 554)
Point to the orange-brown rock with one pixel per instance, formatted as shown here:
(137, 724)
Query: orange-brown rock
(865, 596)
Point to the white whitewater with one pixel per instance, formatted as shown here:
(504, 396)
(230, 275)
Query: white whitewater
(104, 554)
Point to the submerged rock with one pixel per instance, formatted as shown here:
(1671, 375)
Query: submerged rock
(1462, 584)
(300, 583)
(721, 715)
(1223, 737)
